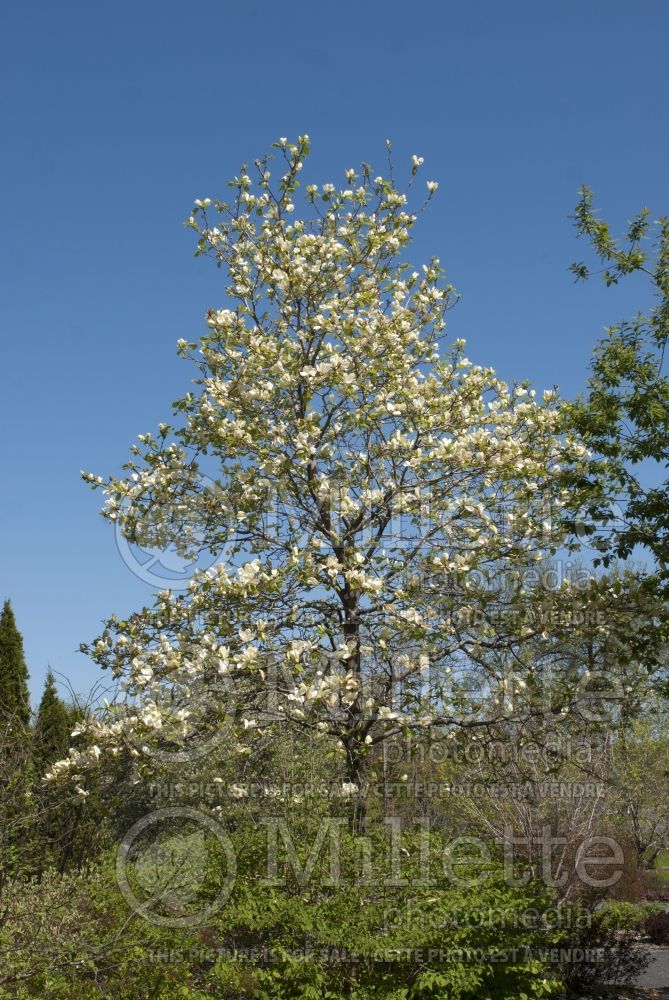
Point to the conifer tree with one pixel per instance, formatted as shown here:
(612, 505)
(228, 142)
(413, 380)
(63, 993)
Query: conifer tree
(52, 727)
(67, 828)
(14, 697)
(16, 766)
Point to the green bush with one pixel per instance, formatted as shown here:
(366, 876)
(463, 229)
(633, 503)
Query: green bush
(72, 936)
(657, 927)
(601, 945)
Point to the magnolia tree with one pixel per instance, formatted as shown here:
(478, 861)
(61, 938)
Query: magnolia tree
(376, 509)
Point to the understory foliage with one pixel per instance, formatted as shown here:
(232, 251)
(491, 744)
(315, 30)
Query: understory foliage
(404, 911)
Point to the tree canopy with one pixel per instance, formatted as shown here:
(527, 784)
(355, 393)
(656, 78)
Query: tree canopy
(376, 507)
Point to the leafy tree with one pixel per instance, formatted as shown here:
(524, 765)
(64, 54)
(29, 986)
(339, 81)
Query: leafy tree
(624, 416)
(641, 782)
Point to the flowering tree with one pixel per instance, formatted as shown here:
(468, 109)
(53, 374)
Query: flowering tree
(374, 501)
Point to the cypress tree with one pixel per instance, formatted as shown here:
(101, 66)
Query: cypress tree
(14, 697)
(52, 728)
(68, 829)
(17, 841)
(51, 738)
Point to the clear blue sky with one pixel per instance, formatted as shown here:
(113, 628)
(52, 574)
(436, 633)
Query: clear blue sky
(116, 116)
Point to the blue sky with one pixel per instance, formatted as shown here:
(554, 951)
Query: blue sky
(115, 117)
